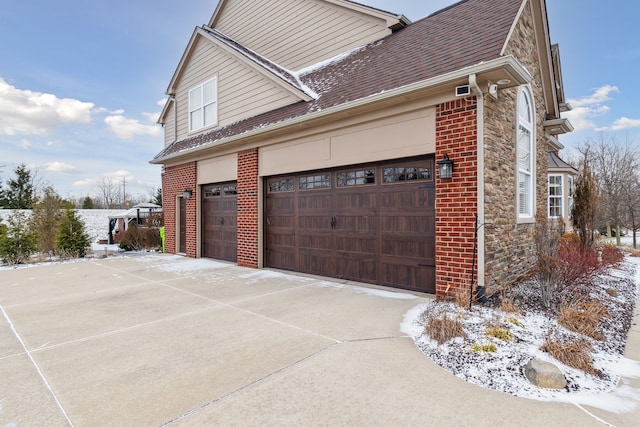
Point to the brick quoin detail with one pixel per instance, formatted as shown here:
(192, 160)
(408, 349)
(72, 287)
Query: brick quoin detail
(175, 180)
(248, 208)
(456, 198)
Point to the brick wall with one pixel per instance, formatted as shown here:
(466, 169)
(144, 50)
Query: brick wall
(456, 198)
(175, 180)
(248, 208)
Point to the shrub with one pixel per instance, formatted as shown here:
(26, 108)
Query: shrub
(485, 348)
(574, 353)
(443, 329)
(72, 240)
(610, 255)
(17, 241)
(133, 239)
(507, 305)
(500, 333)
(583, 317)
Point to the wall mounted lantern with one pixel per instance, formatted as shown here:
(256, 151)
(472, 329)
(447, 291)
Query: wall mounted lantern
(186, 194)
(445, 167)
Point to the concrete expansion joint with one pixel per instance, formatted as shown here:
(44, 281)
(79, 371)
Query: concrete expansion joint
(248, 385)
(375, 339)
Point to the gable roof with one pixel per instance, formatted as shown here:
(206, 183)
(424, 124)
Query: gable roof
(394, 21)
(426, 53)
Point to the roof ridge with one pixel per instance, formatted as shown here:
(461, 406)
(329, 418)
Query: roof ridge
(290, 77)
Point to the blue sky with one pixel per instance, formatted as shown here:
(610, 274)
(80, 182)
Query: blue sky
(81, 82)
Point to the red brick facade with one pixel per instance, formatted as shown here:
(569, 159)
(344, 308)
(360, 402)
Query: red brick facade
(248, 208)
(176, 179)
(456, 198)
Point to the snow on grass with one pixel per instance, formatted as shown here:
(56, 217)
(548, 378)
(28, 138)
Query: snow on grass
(503, 370)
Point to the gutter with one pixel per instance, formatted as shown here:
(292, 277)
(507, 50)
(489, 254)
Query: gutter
(507, 63)
(479, 224)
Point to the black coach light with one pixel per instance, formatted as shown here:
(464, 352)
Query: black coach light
(445, 167)
(186, 194)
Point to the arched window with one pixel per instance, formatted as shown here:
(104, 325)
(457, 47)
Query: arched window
(526, 154)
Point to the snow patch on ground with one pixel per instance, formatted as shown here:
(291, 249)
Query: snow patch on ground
(503, 370)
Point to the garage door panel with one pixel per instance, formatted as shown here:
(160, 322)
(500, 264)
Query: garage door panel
(362, 267)
(220, 221)
(370, 223)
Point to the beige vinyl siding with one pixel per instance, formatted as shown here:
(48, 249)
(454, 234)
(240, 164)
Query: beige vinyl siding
(242, 91)
(169, 125)
(298, 33)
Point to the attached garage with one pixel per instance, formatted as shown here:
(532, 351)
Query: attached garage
(220, 221)
(373, 223)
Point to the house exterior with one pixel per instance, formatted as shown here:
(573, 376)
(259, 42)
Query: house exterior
(306, 135)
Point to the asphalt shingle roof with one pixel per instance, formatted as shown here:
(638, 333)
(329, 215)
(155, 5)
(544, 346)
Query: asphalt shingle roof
(465, 34)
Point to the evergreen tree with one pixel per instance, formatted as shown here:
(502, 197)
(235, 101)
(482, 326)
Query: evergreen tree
(157, 199)
(19, 193)
(87, 203)
(17, 240)
(585, 203)
(46, 217)
(72, 238)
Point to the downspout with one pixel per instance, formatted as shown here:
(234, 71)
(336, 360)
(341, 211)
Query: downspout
(480, 215)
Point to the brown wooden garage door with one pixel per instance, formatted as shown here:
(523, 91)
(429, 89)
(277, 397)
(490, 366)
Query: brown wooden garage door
(372, 223)
(220, 221)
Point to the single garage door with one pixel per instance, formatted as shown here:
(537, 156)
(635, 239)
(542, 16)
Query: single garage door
(373, 223)
(220, 221)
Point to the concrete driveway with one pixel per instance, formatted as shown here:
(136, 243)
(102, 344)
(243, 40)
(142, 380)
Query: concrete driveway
(157, 340)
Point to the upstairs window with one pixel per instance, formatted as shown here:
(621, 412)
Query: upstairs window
(203, 105)
(526, 154)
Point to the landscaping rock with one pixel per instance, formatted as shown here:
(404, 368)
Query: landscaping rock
(544, 374)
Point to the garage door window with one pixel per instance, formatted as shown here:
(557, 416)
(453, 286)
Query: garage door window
(406, 174)
(280, 185)
(230, 190)
(358, 177)
(312, 182)
(215, 191)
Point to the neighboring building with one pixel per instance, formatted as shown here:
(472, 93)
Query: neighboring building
(119, 222)
(305, 135)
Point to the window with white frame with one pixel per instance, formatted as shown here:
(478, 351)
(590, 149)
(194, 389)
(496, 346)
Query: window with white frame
(526, 155)
(570, 194)
(555, 196)
(203, 105)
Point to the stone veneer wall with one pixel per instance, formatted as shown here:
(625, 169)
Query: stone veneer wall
(175, 179)
(456, 198)
(509, 246)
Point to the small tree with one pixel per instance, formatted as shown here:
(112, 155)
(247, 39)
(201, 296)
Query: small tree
(17, 241)
(585, 202)
(548, 269)
(46, 217)
(157, 198)
(72, 238)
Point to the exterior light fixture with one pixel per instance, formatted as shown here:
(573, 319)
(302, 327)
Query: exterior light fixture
(186, 194)
(445, 167)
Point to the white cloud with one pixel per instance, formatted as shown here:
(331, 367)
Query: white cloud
(162, 101)
(127, 129)
(588, 108)
(62, 168)
(600, 96)
(625, 123)
(24, 112)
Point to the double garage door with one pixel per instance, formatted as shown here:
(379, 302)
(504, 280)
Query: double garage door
(372, 223)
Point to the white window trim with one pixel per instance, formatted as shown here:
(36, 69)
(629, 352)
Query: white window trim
(531, 127)
(200, 126)
(561, 197)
